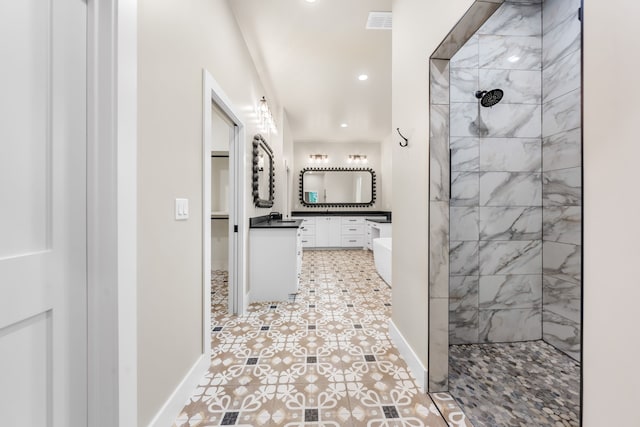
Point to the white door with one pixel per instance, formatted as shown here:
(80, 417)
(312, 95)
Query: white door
(43, 378)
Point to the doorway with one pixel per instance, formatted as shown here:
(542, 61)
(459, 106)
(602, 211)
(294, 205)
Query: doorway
(222, 137)
(223, 196)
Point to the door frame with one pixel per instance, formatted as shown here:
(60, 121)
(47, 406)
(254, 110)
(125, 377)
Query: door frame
(213, 93)
(112, 76)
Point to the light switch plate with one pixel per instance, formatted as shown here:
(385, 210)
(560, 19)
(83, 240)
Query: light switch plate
(182, 209)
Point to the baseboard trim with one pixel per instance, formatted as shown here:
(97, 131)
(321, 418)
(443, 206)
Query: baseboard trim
(171, 409)
(416, 367)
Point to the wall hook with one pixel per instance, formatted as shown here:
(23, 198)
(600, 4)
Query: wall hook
(406, 141)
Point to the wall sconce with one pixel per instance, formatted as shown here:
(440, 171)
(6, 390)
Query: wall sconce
(265, 117)
(261, 162)
(318, 158)
(357, 158)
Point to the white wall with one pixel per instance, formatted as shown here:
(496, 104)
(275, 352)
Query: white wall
(176, 40)
(338, 154)
(287, 152)
(418, 27)
(611, 213)
(386, 172)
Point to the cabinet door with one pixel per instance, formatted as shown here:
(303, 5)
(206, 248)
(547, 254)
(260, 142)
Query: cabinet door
(335, 231)
(385, 230)
(328, 232)
(322, 232)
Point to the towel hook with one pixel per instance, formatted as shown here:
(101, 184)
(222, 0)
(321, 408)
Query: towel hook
(406, 141)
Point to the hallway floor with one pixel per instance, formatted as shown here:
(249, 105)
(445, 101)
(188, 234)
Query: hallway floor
(324, 359)
(515, 384)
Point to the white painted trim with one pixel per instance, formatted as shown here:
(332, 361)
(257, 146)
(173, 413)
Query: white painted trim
(242, 249)
(172, 407)
(413, 361)
(112, 213)
(206, 213)
(127, 210)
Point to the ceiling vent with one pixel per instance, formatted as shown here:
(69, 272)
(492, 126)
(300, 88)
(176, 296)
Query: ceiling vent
(379, 21)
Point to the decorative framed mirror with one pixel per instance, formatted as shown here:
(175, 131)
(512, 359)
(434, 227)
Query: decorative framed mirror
(263, 173)
(337, 187)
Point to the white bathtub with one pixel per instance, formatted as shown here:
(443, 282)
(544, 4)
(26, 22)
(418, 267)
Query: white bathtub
(382, 257)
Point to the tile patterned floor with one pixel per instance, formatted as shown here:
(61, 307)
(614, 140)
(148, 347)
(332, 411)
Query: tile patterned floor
(323, 359)
(517, 384)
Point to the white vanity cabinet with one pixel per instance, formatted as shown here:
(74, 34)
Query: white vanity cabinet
(308, 228)
(326, 231)
(352, 232)
(276, 263)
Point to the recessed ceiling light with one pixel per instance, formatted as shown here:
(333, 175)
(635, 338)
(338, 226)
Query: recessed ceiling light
(344, 125)
(310, 1)
(363, 77)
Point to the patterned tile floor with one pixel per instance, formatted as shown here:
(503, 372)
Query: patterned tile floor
(517, 384)
(323, 359)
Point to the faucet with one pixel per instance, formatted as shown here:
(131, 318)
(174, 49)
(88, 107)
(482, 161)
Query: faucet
(274, 216)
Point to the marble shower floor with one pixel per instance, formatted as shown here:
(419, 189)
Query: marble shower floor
(515, 384)
(323, 359)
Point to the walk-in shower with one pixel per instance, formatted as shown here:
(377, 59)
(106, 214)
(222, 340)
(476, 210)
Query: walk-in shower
(505, 215)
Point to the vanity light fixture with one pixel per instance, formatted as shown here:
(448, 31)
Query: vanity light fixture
(261, 162)
(357, 158)
(265, 118)
(318, 158)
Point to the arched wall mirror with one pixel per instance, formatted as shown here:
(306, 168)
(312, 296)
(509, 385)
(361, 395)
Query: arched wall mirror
(337, 187)
(263, 173)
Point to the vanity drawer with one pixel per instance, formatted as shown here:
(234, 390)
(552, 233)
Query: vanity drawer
(308, 241)
(307, 221)
(350, 229)
(352, 221)
(308, 230)
(353, 241)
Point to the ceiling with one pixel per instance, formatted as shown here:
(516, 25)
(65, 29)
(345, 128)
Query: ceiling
(309, 56)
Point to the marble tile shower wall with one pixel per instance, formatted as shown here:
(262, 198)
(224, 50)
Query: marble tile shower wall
(439, 227)
(561, 175)
(496, 248)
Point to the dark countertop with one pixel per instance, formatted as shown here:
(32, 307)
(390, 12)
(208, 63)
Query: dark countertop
(264, 222)
(341, 213)
(380, 221)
